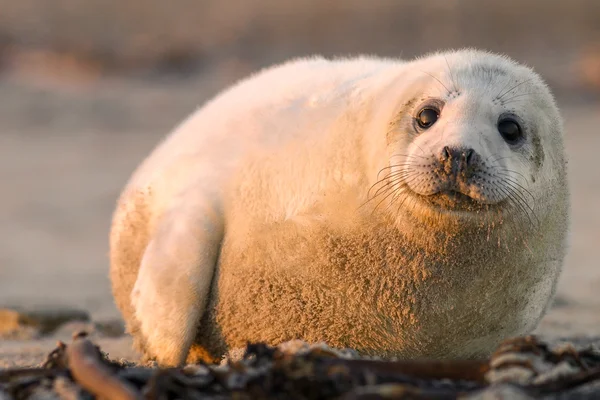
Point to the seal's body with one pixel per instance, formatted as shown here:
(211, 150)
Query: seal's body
(410, 209)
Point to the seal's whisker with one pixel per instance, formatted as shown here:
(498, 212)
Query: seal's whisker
(514, 181)
(512, 205)
(506, 101)
(388, 188)
(519, 200)
(495, 160)
(396, 178)
(507, 172)
(451, 75)
(499, 97)
(515, 100)
(445, 87)
(401, 204)
(518, 207)
(495, 163)
(389, 174)
(407, 155)
(410, 177)
(510, 186)
(406, 164)
(391, 192)
(414, 203)
(398, 194)
(517, 185)
(520, 95)
(503, 87)
(521, 195)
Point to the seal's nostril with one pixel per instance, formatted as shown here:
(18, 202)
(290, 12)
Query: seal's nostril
(469, 156)
(446, 153)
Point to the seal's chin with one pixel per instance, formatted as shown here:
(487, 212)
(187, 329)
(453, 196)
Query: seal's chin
(451, 201)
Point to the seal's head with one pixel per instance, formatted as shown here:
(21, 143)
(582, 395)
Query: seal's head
(479, 139)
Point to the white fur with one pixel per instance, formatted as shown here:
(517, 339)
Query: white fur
(328, 121)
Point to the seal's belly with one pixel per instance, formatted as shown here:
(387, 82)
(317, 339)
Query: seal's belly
(373, 292)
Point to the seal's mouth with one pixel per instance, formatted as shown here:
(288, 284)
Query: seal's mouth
(451, 200)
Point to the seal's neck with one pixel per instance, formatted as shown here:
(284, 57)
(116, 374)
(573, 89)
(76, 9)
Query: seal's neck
(460, 238)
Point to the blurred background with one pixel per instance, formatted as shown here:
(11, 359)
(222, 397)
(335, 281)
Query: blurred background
(88, 88)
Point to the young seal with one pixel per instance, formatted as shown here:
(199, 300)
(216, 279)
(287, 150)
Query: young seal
(408, 209)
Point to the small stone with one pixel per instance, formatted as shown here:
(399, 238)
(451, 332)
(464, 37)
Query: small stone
(44, 320)
(558, 372)
(196, 369)
(514, 374)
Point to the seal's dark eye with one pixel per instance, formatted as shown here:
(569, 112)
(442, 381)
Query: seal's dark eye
(510, 130)
(427, 117)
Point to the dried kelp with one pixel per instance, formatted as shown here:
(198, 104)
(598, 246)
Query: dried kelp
(521, 368)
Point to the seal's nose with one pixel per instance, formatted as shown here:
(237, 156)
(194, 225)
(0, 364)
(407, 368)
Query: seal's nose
(458, 161)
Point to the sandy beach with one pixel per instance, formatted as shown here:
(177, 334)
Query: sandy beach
(66, 152)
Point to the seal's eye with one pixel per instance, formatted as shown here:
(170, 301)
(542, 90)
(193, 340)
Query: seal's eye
(510, 130)
(427, 117)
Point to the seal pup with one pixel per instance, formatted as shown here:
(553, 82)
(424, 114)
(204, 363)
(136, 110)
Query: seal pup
(400, 208)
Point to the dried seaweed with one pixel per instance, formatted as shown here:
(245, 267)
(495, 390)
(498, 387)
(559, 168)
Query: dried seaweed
(524, 365)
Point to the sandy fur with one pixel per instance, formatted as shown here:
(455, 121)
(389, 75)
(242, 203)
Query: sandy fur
(262, 193)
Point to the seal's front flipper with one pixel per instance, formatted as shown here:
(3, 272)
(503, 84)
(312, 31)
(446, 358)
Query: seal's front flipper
(173, 283)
